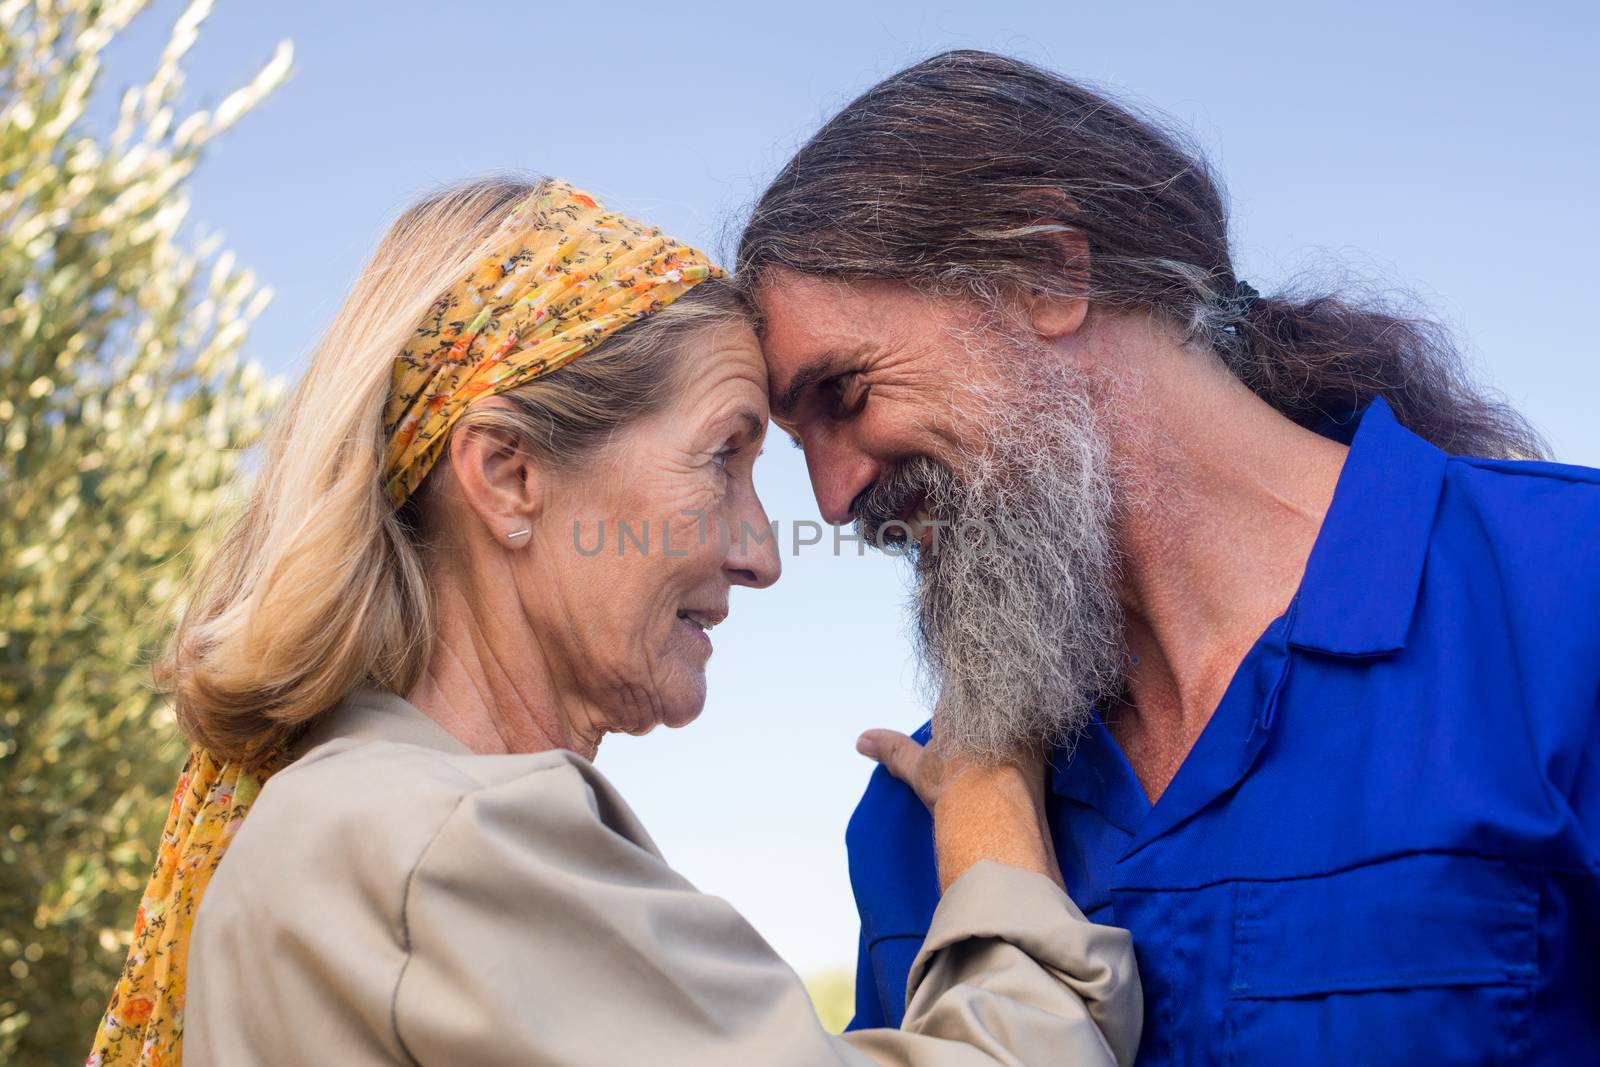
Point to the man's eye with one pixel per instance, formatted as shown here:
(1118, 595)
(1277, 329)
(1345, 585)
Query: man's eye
(849, 395)
(721, 458)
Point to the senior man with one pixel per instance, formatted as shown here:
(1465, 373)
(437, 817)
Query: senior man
(1313, 630)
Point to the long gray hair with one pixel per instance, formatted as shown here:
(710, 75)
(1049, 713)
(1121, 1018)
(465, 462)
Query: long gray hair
(960, 174)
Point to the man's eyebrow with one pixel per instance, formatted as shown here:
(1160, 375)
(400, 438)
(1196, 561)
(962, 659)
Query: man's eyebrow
(810, 373)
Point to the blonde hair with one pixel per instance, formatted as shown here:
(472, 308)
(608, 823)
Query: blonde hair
(318, 584)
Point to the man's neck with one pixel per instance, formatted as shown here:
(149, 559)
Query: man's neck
(1223, 499)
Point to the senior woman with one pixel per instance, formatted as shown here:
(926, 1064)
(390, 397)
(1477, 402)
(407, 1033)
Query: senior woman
(403, 636)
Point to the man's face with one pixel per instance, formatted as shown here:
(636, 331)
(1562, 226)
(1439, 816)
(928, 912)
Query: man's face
(866, 375)
(927, 411)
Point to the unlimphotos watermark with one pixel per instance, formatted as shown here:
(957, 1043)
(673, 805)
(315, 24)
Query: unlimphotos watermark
(666, 537)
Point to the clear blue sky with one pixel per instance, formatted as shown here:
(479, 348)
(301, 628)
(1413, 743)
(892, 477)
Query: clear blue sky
(1446, 148)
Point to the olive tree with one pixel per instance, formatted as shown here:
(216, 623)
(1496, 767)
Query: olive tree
(125, 407)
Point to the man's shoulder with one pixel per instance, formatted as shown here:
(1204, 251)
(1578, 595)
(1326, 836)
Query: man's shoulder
(1528, 529)
(1525, 504)
(892, 866)
(1511, 475)
(888, 806)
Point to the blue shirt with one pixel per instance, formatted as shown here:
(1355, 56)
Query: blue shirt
(1383, 846)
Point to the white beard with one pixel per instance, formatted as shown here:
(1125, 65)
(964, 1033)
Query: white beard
(1020, 632)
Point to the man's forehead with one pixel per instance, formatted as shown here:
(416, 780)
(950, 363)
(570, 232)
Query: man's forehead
(814, 304)
(805, 319)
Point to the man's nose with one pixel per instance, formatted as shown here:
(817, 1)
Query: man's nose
(839, 474)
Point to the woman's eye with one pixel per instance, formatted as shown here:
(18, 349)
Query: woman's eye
(721, 458)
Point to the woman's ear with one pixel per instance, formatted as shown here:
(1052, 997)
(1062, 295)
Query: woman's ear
(496, 478)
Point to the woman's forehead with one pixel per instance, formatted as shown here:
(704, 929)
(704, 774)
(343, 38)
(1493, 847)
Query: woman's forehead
(726, 364)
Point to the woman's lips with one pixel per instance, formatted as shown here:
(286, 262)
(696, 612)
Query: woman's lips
(697, 624)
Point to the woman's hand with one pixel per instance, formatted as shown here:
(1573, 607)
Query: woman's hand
(918, 766)
(981, 810)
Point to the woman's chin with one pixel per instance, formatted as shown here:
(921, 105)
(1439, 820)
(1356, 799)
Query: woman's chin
(683, 712)
(677, 722)
(684, 706)
(672, 720)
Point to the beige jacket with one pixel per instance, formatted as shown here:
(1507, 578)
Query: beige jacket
(395, 899)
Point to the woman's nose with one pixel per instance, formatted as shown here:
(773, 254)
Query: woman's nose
(752, 557)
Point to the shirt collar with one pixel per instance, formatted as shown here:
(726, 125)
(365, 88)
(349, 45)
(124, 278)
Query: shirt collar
(1355, 599)
(371, 714)
(1361, 580)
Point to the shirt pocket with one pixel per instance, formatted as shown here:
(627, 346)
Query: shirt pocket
(1428, 958)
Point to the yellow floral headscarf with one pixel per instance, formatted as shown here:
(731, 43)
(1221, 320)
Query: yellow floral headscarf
(564, 275)
(561, 276)
(144, 1022)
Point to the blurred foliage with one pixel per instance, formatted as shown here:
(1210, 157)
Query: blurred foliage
(834, 996)
(124, 409)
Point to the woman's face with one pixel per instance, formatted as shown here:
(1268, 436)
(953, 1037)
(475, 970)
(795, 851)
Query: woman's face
(637, 549)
